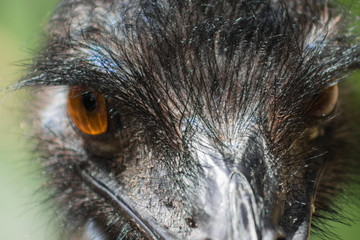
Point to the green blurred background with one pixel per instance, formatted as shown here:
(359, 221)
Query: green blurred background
(22, 216)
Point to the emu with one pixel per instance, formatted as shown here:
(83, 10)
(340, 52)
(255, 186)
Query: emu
(211, 119)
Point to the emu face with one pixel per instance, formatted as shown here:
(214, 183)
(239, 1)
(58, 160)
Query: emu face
(193, 119)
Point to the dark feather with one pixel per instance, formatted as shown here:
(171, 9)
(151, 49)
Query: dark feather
(172, 69)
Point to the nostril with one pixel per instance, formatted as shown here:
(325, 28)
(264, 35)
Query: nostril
(273, 235)
(191, 223)
(280, 236)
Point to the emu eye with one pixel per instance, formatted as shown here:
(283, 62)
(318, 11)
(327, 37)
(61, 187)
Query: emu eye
(87, 110)
(326, 102)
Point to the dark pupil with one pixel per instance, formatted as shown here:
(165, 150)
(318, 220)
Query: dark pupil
(89, 101)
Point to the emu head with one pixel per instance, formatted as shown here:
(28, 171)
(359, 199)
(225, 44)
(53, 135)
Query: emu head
(193, 119)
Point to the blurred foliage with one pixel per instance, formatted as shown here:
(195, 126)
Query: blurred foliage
(22, 216)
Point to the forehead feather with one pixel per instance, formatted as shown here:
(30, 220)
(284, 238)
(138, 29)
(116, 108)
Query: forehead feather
(212, 54)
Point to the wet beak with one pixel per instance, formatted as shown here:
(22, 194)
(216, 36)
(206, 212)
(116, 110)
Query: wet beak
(242, 197)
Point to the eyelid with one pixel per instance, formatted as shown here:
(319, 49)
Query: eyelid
(326, 102)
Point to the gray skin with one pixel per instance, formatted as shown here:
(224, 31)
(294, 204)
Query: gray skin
(211, 110)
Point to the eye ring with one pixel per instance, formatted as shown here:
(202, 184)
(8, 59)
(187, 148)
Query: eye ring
(87, 110)
(326, 102)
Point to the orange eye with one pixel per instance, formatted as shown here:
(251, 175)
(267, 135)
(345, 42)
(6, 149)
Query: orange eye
(326, 102)
(87, 109)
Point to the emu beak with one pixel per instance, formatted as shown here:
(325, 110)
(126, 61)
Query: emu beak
(240, 197)
(243, 197)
